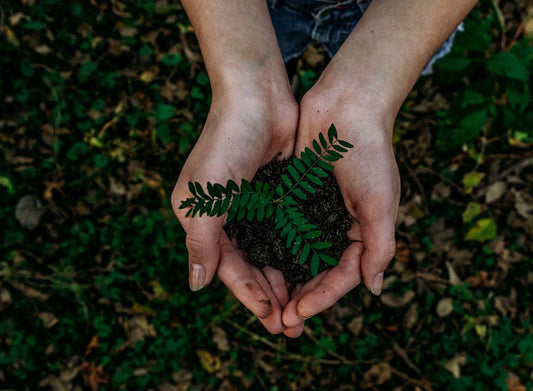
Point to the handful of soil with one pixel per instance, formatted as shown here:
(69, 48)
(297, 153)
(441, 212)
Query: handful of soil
(262, 242)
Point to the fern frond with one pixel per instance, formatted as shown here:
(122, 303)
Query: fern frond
(258, 201)
(317, 163)
(299, 231)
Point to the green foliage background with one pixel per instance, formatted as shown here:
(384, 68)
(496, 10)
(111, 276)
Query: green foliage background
(102, 101)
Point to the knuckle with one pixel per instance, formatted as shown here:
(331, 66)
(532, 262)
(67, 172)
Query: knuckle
(390, 250)
(195, 244)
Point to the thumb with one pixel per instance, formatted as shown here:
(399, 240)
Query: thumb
(380, 247)
(203, 245)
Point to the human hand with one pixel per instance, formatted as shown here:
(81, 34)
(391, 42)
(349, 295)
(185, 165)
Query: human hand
(369, 181)
(245, 129)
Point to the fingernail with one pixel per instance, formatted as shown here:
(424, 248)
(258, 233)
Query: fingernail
(197, 279)
(377, 284)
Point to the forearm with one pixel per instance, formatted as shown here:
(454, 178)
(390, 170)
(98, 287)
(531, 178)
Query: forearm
(390, 45)
(237, 41)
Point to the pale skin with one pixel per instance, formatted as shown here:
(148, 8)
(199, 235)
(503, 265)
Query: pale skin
(254, 119)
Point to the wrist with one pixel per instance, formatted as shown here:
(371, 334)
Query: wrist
(350, 104)
(256, 90)
(362, 87)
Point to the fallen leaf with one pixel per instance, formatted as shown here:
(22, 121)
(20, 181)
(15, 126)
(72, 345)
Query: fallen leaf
(454, 279)
(93, 344)
(15, 18)
(402, 252)
(445, 307)
(378, 373)
(220, 339)
(454, 365)
(485, 229)
(471, 180)
(28, 211)
(147, 76)
(471, 211)
(55, 383)
(125, 30)
(49, 320)
(6, 182)
(27, 291)
(392, 300)
(513, 383)
(410, 318)
(5, 299)
(93, 375)
(495, 191)
(137, 328)
(208, 361)
(143, 310)
(356, 325)
(183, 378)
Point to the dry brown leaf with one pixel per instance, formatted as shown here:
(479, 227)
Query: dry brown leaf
(49, 320)
(55, 383)
(93, 375)
(27, 291)
(378, 373)
(445, 307)
(125, 30)
(183, 379)
(506, 305)
(402, 252)
(220, 339)
(116, 187)
(166, 386)
(454, 365)
(15, 18)
(137, 328)
(93, 344)
(5, 299)
(454, 279)
(410, 318)
(28, 211)
(513, 383)
(50, 187)
(356, 325)
(390, 299)
(495, 191)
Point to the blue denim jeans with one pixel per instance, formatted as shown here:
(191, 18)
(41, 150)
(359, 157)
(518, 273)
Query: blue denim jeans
(327, 22)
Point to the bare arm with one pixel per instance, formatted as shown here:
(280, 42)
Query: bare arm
(237, 42)
(252, 120)
(361, 91)
(390, 45)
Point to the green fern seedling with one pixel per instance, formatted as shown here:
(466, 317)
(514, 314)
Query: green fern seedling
(257, 201)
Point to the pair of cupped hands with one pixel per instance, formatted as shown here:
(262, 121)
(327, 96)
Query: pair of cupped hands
(250, 124)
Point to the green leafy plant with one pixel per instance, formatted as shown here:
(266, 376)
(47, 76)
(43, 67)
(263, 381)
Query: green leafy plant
(257, 201)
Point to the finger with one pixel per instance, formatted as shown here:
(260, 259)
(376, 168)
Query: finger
(335, 284)
(287, 149)
(235, 274)
(203, 245)
(380, 247)
(278, 285)
(294, 332)
(273, 322)
(354, 233)
(290, 313)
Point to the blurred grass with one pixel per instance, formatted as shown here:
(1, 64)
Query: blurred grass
(101, 103)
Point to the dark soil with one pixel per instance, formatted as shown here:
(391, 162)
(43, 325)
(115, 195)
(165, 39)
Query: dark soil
(262, 243)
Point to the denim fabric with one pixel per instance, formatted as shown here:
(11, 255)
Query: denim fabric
(327, 22)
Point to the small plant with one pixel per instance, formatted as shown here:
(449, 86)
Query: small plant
(257, 201)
